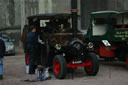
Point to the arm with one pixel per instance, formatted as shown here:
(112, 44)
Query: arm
(35, 40)
(40, 41)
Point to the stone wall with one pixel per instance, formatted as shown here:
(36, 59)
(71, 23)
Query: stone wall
(3, 13)
(61, 6)
(14, 13)
(88, 6)
(12, 10)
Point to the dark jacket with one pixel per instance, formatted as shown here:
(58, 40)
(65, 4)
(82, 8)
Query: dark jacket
(2, 48)
(32, 41)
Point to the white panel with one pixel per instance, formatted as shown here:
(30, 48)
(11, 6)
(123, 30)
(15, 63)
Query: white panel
(99, 29)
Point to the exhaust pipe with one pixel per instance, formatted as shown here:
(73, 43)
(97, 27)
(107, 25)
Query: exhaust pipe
(74, 11)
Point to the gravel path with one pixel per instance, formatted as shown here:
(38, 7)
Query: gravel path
(111, 73)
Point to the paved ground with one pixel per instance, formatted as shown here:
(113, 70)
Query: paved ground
(111, 73)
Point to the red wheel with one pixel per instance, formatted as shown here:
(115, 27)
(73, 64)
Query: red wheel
(127, 61)
(89, 67)
(93, 64)
(59, 66)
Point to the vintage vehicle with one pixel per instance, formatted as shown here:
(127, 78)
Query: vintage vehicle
(108, 34)
(63, 47)
(9, 44)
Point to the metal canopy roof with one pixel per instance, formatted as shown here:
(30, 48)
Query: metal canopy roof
(50, 15)
(110, 12)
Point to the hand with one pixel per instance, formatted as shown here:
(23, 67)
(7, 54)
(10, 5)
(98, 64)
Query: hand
(42, 42)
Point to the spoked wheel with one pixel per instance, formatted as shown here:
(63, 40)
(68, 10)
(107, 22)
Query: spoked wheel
(93, 64)
(127, 61)
(59, 67)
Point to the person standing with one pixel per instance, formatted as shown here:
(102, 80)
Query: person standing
(44, 59)
(23, 40)
(32, 42)
(2, 50)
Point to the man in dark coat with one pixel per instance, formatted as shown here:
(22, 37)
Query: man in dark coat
(2, 50)
(32, 43)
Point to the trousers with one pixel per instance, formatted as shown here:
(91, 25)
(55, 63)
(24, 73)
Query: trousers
(1, 66)
(32, 57)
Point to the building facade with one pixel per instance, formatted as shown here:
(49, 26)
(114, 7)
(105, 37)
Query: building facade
(88, 6)
(15, 12)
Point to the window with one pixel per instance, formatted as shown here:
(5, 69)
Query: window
(43, 23)
(99, 26)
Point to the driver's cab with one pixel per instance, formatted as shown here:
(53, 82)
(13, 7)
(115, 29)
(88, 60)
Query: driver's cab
(103, 21)
(99, 26)
(54, 25)
(50, 23)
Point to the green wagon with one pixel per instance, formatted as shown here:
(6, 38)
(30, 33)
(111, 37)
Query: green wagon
(108, 34)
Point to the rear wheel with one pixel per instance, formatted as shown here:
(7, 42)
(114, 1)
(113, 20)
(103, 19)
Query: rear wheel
(59, 67)
(93, 64)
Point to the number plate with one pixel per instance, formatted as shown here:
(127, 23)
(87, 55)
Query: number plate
(77, 62)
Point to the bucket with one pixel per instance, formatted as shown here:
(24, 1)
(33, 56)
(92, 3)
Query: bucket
(27, 69)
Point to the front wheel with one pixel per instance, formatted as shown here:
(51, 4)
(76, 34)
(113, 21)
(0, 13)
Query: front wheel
(93, 64)
(59, 67)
